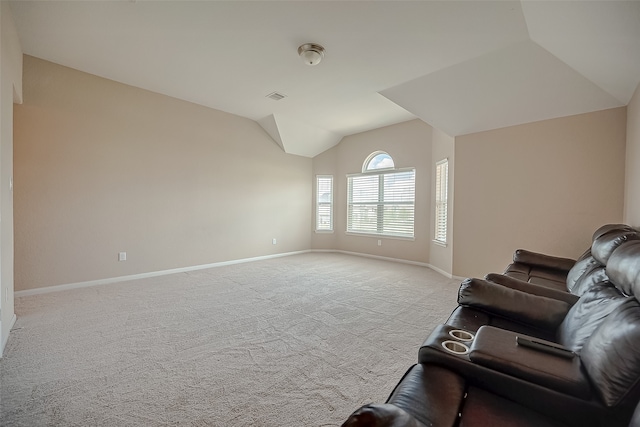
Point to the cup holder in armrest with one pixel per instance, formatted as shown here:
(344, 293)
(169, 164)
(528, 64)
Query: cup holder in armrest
(461, 335)
(455, 347)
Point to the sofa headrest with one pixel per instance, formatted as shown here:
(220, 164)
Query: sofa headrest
(604, 245)
(610, 227)
(623, 268)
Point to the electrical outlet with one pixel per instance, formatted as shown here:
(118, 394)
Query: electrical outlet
(274, 241)
(379, 242)
(122, 256)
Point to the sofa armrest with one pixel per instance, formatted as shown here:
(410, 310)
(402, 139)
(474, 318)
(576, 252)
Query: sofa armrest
(531, 288)
(543, 261)
(538, 311)
(572, 410)
(497, 349)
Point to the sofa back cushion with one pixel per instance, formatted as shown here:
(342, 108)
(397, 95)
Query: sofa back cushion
(611, 357)
(582, 267)
(585, 262)
(624, 268)
(587, 314)
(593, 276)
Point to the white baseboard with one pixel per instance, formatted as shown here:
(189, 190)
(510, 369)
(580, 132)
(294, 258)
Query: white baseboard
(384, 258)
(66, 287)
(77, 285)
(5, 339)
(402, 261)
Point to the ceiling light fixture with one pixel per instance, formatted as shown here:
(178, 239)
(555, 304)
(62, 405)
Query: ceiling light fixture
(311, 53)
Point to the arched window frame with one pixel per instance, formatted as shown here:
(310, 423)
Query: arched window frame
(371, 158)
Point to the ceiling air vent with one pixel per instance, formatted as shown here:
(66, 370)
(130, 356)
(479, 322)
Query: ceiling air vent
(276, 96)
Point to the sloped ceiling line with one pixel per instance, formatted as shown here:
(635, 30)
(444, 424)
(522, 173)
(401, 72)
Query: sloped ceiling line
(462, 66)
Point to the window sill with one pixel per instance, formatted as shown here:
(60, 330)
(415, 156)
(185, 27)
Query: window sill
(324, 231)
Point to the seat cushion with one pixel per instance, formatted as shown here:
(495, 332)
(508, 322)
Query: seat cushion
(518, 271)
(543, 278)
(554, 279)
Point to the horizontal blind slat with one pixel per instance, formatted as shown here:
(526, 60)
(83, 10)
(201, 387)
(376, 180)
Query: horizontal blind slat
(381, 203)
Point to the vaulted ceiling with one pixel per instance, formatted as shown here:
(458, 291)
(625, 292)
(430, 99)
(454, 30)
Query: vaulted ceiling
(461, 66)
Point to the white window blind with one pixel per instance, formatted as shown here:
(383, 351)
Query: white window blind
(324, 203)
(442, 180)
(381, 203)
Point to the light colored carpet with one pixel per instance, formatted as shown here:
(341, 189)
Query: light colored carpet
(301, 340)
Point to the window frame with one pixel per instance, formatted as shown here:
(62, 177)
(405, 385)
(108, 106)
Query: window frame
(441, 197)
(380, 202)
(369, 159)
(320, 204)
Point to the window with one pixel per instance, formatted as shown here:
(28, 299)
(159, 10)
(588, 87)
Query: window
(378, 160)
(442, 180)
(324, 203)
(381, 200)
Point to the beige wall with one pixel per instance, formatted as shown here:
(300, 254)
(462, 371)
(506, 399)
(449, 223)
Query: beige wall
(10, 92)
(543, 186)
(632, 170)
(102, 167)
(326, 163)
(441, 257)
(409, 144)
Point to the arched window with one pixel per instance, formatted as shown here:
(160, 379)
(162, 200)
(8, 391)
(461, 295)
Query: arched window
(378, 160)
(381, 199)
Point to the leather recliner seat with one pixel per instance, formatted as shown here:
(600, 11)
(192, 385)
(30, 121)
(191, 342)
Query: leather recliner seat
(430, 395)
(591, 380)
(554, 315)
(562, 273)
(597, 386)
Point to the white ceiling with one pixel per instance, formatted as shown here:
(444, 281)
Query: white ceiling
(460, 66)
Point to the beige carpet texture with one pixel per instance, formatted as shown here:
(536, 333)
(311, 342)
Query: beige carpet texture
(301, 340)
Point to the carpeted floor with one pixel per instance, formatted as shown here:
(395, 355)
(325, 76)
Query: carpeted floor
(301, 340)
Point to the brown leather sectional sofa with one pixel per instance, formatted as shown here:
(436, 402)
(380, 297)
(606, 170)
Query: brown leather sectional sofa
(551, 342)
